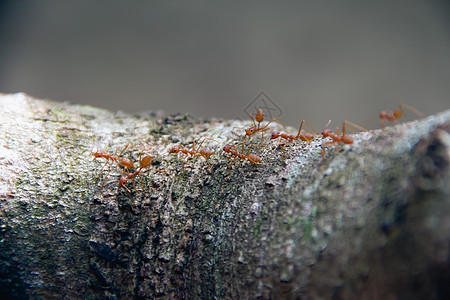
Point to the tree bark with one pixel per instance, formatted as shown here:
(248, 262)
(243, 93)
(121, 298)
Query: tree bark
(363, 221)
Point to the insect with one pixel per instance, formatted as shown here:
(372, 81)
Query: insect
(194, 152)
(251, 157)
(109, 158)
(119, 160)
(304, 136)
(259, 117)
(392, 116)
(343, 138)
(144, 163)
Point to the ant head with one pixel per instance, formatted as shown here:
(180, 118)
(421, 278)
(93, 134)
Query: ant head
(275, 135)
(250, 131)
(123, 180)
(227, 148)
(97, 154)
(175, 149)
(205, 152)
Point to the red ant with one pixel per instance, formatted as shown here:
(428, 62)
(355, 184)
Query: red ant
(251, 157)
(344, 138)
(100, 154)
(204, 152)
(259, 117)
(120, 161)
(143, 164)
(392, 116)
(306, 136)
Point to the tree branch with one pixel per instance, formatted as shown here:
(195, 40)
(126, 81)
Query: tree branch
(361, 221)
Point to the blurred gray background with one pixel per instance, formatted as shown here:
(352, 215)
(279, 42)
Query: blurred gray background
(313, 60)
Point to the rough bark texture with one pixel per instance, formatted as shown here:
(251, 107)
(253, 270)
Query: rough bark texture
(365, 221)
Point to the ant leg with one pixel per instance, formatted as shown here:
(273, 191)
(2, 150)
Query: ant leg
(122, 182)
(200, 145)
(243, 142)
(142, 179)
(281, 145)
(256, 127)
(210, 139)
(124, 162)
(300, 128)
(276, 120)
(265, 126)
(234, 147)
(254, 145)
(193, 146)
(369, 120)
(134, 183)
(185, 161)
(328, 124)
(110, 167)
(234, 133)
(263, 130)
(107, 174)
(107, 182)
(127, 176)
(328, 143)
(181, 147)
(104, 183)
(253, 120)
(207, 160)
(121, 152)
(112, 158)
(411, 109)
(160, 171)
(125, 187)
(142, 184)
(325, 144)
(326, 132)
(231, 162)
(345, 123)
(212, 171)
(99, 172)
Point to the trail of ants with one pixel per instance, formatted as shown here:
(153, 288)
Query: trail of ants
(130, 173)
(127, 165)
